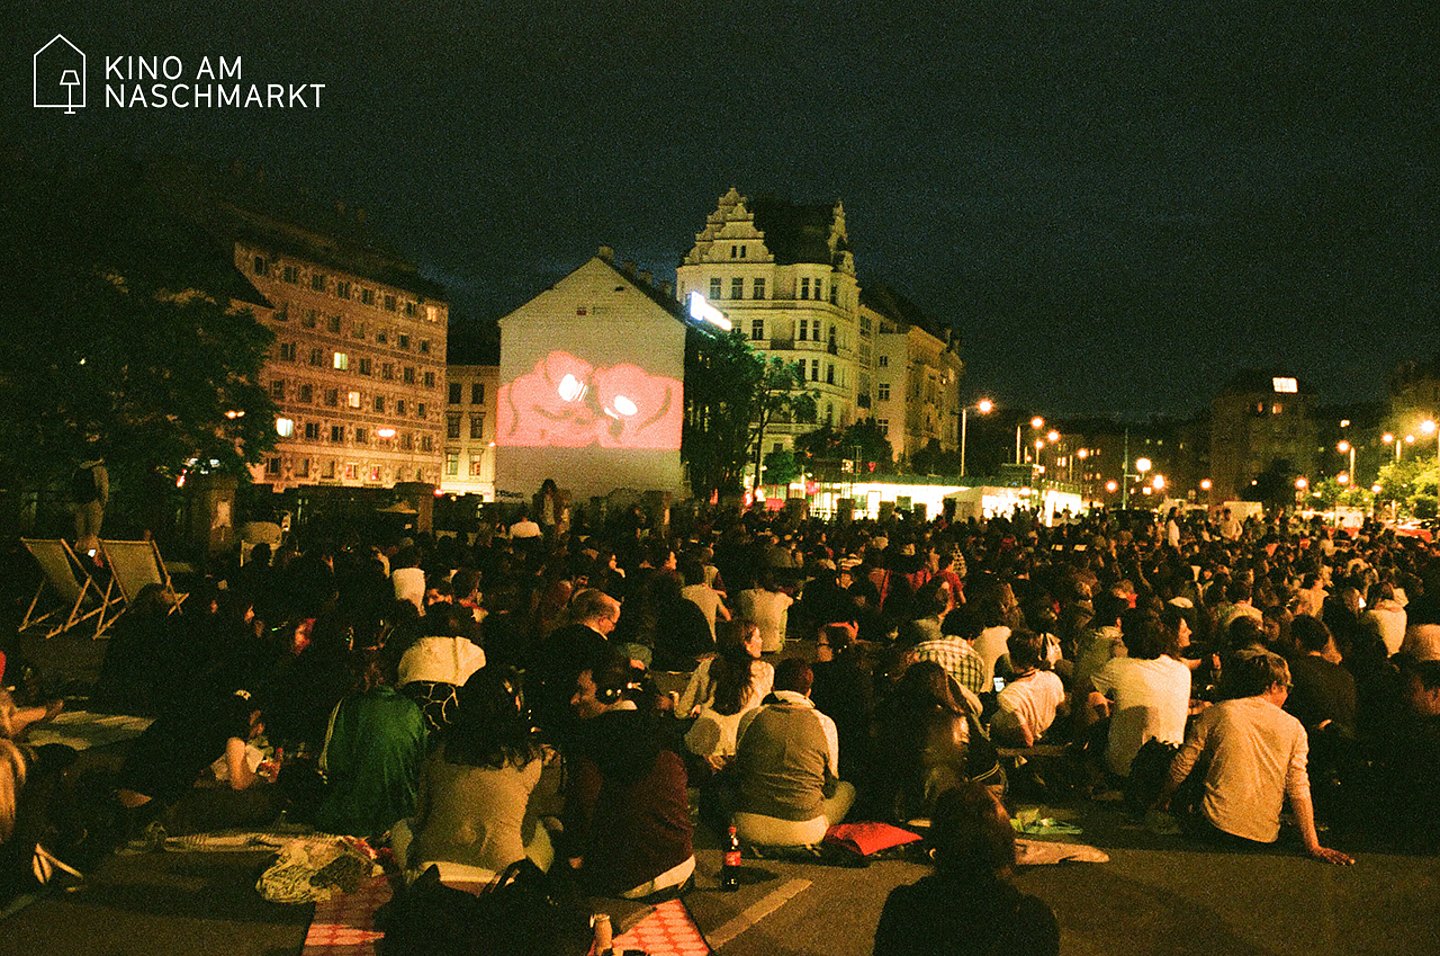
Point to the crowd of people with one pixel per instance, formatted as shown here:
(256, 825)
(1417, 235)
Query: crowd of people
(567, 693)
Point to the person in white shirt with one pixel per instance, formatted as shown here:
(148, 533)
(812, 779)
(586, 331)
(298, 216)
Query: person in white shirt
(1147, 694)
(1254, 756)
(1386, 617)
(1031, 700)
(524, 527)
(699, 592)
(769, 608)
(722, 690)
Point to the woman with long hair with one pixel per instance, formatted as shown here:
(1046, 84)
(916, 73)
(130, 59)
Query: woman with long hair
(929, 740)
(481, 792)
(723, 688)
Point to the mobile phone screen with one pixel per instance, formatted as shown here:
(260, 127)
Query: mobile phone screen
(999, 684)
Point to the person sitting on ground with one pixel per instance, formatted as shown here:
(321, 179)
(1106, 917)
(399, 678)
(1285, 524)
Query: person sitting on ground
(1408, 808)
(372, 753)
(558, 660)
(955, 650)
(627, 815)
(845, 691)
(968, 905)
(929, 740)
(722, 689)
(699, 592)
(1254, 756)
(433, 668)
(677, 632)
(788, 766)
(1146, 694)
(767, 606)
(1027, 706)
(483, 791)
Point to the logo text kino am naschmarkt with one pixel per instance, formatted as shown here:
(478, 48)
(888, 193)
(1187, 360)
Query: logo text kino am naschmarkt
(165, 82)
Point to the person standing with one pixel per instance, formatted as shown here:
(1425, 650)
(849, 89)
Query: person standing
(89, 493)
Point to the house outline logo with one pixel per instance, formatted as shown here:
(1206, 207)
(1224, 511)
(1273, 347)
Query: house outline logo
(60, 80)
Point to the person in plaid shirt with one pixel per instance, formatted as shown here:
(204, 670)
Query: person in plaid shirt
(955, 650)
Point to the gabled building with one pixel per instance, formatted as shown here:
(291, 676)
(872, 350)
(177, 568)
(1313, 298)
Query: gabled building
(912, 389)
(785, 276)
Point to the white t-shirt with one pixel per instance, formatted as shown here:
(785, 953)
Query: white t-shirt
(1031, 701)
(1152, 700)
(525, 528)
(448, 660)
(770, 610)
(707, 599)
(992, 644)
(409, 586)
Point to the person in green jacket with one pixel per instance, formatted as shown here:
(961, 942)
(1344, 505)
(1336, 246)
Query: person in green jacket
(373, 752)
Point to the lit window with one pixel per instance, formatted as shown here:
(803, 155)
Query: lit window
(452, 463)
(284, 427)
(432, 314)
(475, 463)
(341, 361)
(352, 399)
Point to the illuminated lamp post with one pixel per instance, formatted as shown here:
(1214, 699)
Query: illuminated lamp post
(984, 407)
(1142, 467)
(1429, 427)
(1301, 484)
(1345, 447)
(1389, 439)
(1036, 424)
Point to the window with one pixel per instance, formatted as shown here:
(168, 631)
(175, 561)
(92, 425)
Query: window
(804, 330)
(408, 376)
(341, 361)
(742, 252)
(403, 341)
(342, 289)
(352, 399)
(332, 323)
(357, 330)
(452, 462)
(287, 351)
(737, 288)
(477, 393)
(366, 366)
(475, 462)
(407, 442)
(327, 470)
(419, 409)
(734, 251)
(337, 434)
(834, 293)
(427, 443)
(884, 425)
(387, 371)
(410, 308)
(757, 328)
(884, 361)
(432, 314)
(302, 468)
(380, 403)
(291, 274)
(367, 296)
(307, 393)
(382, 337)
(362, 436)
(814, 370)
(452, 425)
(759, 288)
(400, 407)
(374, 473)
(389, 303)
(272, 466)
(317, 357)
(429, 379)
(317, 281)
(829, 413)
(310, 319)
(351, 469)
(805, 288)
(277, 389)
(829, 373)
(259, 266)
(714, 288)
(457, 392)
(424, 346)
(477, 427)
(882, 391)
(312, 431)
(332, 397)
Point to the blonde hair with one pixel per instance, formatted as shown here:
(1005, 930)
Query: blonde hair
(7, 715)
(12, 779)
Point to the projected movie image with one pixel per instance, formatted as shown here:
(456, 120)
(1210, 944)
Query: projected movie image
(566, 402)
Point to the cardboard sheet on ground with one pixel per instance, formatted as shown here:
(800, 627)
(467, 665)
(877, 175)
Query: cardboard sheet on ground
(82, 729)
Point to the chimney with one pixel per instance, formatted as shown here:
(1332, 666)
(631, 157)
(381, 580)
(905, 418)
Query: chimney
(607, 253)
(646, 277)
(628, 267)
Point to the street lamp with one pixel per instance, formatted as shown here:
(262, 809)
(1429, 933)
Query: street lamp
(1158, 482)
(984, 407)
(1389, 439)
(1206, 484)
(1036, 423)
(1345, 447)
(1428, 427)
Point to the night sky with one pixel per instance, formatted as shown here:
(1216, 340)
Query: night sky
(1117, 205)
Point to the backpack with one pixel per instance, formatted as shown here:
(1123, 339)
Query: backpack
(527, 913)
(83, 488)
(1148, 773)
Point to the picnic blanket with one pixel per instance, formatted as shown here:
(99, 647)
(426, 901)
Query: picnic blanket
(669, 931)
(81, 729)
(344, 925)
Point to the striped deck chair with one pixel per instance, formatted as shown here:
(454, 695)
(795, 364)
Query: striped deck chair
(77, 598)
(136, 564)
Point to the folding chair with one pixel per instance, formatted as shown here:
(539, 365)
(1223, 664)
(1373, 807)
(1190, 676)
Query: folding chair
(136, 564)
(72, 585)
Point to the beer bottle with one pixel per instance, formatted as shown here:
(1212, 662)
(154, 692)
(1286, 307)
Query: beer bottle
(730, 869)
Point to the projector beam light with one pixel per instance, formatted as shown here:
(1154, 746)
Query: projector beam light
(703, 311)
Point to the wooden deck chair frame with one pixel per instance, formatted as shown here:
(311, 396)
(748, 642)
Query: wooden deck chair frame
(136, 564)
(64, 574)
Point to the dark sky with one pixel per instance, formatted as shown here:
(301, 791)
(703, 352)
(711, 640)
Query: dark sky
(1118, 204)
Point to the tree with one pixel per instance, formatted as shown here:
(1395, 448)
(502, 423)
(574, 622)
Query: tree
(733, 394)
(131, 346)
(1412, 484)
(781, 468)
(861, 442)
